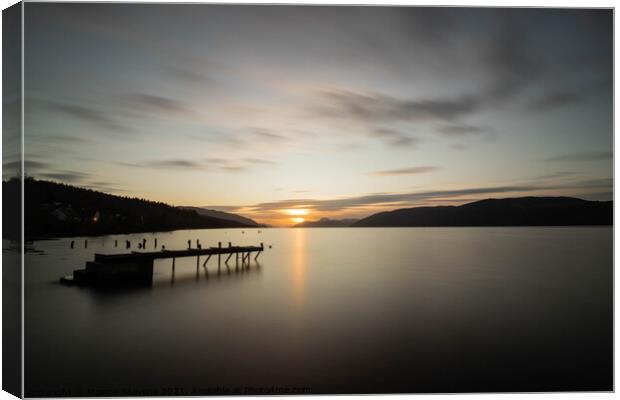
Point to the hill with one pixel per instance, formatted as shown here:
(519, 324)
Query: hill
(327, 223)
(57, 210)
(522, 211)
(223, 215)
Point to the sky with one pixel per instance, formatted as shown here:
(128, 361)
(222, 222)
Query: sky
(285, 113)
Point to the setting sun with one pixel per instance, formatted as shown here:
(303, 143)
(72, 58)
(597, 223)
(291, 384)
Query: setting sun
(298, 220)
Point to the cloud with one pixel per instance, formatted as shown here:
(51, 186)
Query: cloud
(559, 175)
(555, 99)
(509, 59)
(394, 137)
(260, 161)
(384, 198)
(28, 165)
(376, 107)
(269, 135)
(63, 139)
(178, 163)
(459, 130)
(406, 171)
(188, 75)
(582, 157)
(64, 176)
(158, 103)
(399, 200)
(87, 114)
(209, 163)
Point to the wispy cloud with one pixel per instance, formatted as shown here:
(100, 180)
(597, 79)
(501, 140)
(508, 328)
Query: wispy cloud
(64, 176)
(158, 103)
(394, 137)
(209, 163)
(91, 115)
(377, 107)
(188, 76)
(555, 99)
(260, 161)
(29, 165)
(410, 199)
(406, 171)
(177, 163)
(460, 130)
(267, 134)
(582, 157)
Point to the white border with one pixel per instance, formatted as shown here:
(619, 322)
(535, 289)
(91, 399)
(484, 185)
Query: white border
(478, 3)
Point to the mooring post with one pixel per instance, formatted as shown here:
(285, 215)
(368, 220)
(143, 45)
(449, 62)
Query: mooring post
(85, 243)
(198, 262)
(155, 243)
(229, 244)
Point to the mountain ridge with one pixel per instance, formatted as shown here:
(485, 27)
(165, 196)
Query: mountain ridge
(209, 212)
(54, 209)
(327, 223)
(514, 211)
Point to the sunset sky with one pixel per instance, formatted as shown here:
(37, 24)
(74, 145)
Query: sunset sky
(335, 111)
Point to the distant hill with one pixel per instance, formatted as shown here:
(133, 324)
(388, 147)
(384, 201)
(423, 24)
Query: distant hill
(223, 215)
(57, 210)
(327, 223)
(522, 211)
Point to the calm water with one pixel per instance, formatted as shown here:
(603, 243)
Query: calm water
(331, 310)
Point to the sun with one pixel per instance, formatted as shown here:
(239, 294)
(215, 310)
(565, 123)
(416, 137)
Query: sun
(298, 220)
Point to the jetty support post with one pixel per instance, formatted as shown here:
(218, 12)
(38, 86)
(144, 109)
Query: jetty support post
(262, 247)
(219, 256)
(228, 258)
(144, 270)
(206, 261)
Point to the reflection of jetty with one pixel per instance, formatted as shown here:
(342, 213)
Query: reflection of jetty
(137, 267)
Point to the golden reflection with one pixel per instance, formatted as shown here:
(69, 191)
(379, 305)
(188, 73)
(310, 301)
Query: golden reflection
(299, 266)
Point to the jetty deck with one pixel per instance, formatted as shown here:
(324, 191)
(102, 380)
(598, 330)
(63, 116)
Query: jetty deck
(137, 266)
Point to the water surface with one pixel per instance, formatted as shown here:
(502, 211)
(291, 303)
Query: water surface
(330, 310)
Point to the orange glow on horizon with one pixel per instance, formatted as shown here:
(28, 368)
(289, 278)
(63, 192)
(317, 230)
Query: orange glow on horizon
(297, 211)
(298, 220)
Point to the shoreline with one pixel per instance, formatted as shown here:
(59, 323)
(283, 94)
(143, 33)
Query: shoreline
(45, 238)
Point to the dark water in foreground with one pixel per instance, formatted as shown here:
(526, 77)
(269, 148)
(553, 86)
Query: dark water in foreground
(332, 310)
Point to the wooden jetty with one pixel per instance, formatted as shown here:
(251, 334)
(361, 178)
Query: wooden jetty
(137, 267)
